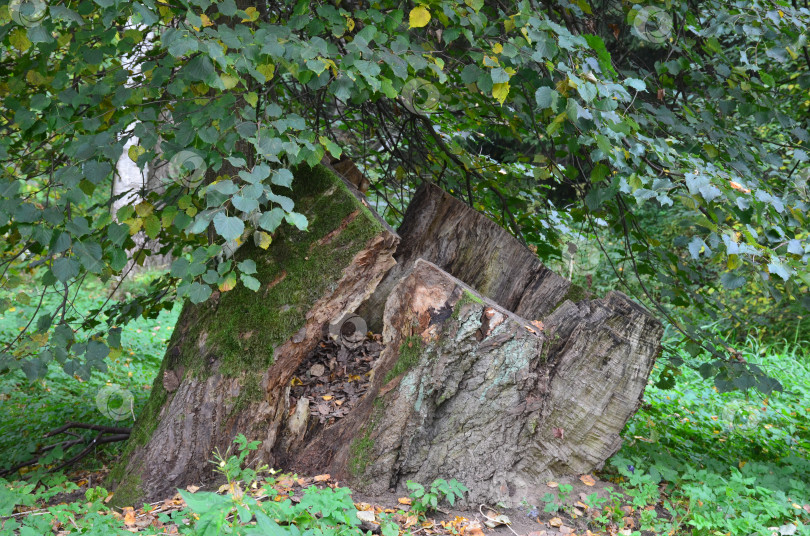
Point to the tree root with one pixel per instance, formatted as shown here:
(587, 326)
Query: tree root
(115, 434)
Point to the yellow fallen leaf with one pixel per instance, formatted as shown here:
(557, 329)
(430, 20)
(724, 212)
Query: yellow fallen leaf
(327, 397)
(588, 480)
(419, 17)
(404, 500)
(552, 484)
(129, 515)
(555, 522)
(322, 478)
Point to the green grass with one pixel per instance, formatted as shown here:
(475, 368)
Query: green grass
(730, 463)
(31, 409)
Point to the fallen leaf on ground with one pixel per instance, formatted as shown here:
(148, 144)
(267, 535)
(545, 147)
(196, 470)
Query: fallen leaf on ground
(496, 520)
(474, 528)
(191, 488)
(552, 484)
(555, 522)
(322, 478)
(588, 480)
(404, 500)
(129, 515)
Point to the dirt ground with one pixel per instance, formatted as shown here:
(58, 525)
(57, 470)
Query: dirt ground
(461, 519)
(529, 521)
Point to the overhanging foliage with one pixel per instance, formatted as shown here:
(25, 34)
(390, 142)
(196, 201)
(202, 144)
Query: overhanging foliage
(555, 118)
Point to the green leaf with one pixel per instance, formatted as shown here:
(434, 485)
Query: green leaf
(96, 353)
(299, 220)
(198, 293)
(250, 282)
(179, 267)
(151, 226)
(546, 97)
(284, 177)
(272, 219)
(732, 281)
(247, 266)
(65, 268)
(228, 227)
(244, 204)
(89, 254)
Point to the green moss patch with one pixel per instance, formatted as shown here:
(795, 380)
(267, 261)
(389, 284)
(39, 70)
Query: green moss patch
(409, 352)
(467, 297)
(362, 447)
(576, 294)
(243, 330)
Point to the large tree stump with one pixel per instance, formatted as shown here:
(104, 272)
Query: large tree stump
(489, 371)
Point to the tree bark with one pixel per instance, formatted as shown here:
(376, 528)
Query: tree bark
(489, 372)
(441, 229)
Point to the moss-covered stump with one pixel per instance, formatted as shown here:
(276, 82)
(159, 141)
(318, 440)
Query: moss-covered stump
(230, 361)
(493, 369)
(466, 389)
